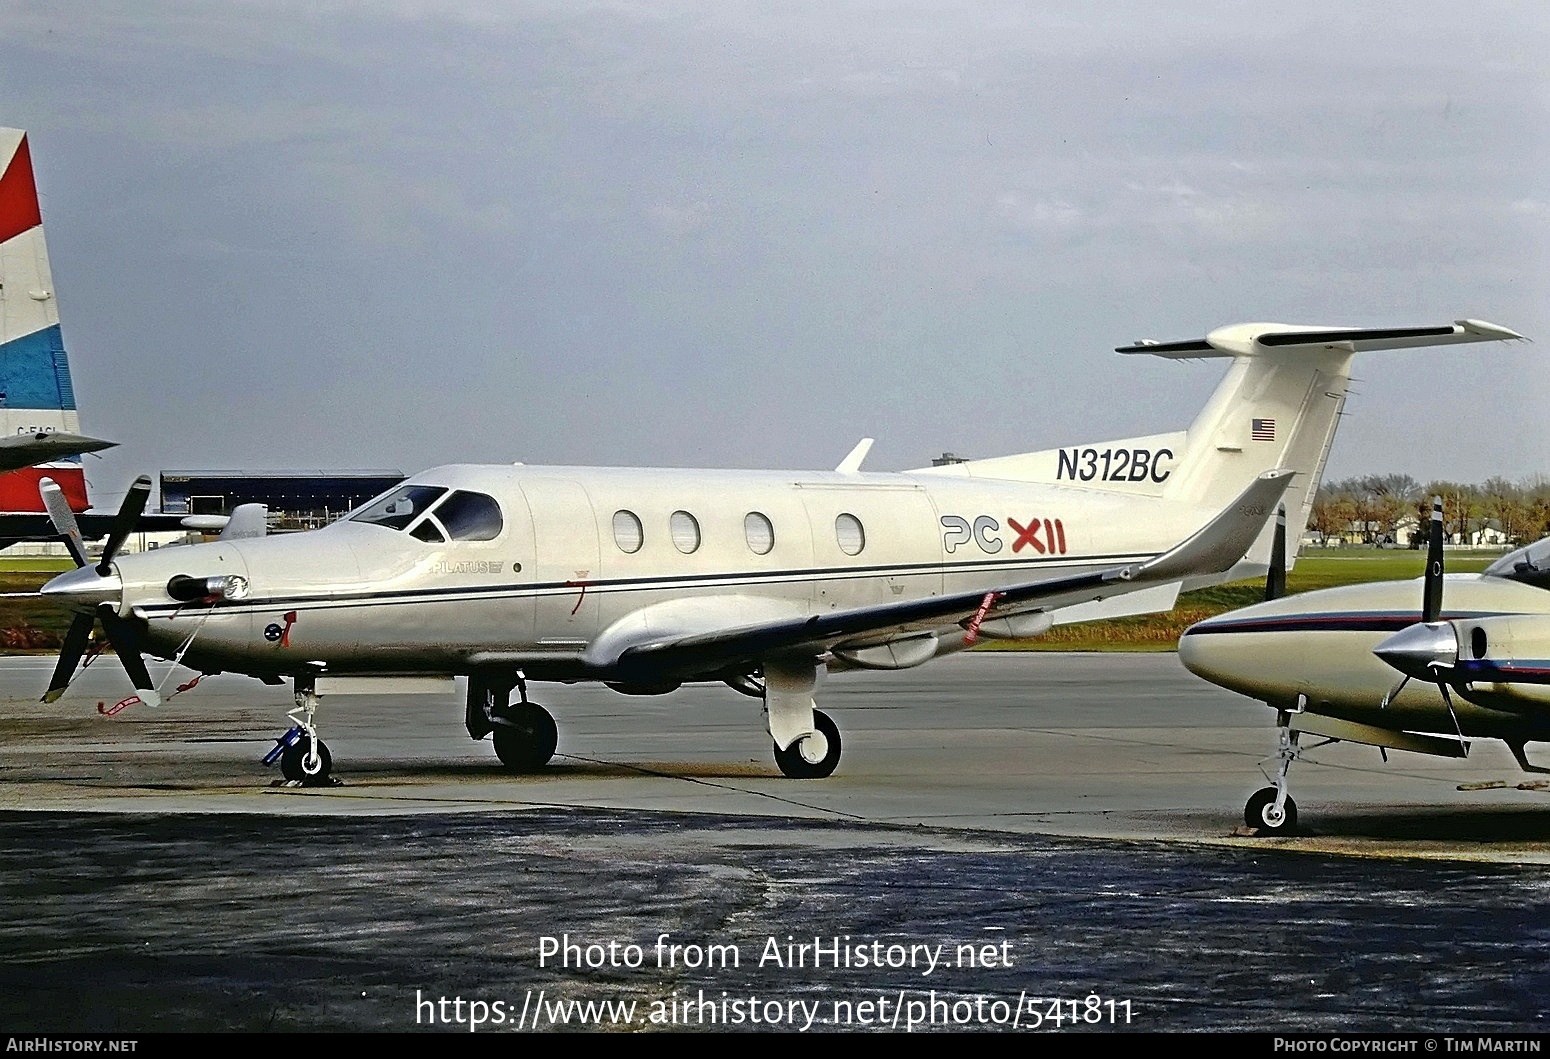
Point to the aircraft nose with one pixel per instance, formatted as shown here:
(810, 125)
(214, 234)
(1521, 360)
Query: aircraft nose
(1218, 658)
(1195, 654)
(84, 589)
(1415, 649)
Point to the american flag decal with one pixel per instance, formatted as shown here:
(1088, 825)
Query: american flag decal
(1262, 429)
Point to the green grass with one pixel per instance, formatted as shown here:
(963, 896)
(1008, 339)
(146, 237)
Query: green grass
(1320, 569)
(32, 564)
(30, 624)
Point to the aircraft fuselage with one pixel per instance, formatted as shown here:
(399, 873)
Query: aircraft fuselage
(581, 550)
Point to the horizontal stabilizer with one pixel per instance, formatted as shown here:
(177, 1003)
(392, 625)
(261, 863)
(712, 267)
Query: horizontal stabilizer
(29, 450)
(1249, 339)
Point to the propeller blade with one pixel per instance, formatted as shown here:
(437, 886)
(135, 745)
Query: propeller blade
(1275, 577)
(63, 518)
(1431, 597)
(1393, 693)
(1448, 701)
(126, 644)
(69, 656)
(129, 513)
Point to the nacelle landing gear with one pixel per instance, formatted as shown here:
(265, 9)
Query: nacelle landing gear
(525, 736)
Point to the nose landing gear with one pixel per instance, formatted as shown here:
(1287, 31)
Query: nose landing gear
(303, 757)
(1271, 810)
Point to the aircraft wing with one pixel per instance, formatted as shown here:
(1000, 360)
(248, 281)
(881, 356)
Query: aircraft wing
(16, 527)
(29, 450)
(1214, 548)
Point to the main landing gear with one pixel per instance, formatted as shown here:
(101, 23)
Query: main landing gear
(524, 733)
(807, 741)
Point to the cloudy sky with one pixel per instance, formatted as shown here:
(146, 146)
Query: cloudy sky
(392, 235)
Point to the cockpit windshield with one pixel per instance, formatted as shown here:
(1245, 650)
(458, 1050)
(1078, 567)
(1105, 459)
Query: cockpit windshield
(401, 506)
(470, 516)
(1530, 564)
(433, 516)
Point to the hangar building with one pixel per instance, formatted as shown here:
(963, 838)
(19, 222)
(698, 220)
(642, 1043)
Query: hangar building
(296, 499)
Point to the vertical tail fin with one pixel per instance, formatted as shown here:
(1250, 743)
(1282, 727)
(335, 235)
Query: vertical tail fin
(39, 428)
(1279, 405)
(1275, 409)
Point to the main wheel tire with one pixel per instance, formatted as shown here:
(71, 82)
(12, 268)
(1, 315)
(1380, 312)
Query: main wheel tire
(525, 737)
(293, 763)
(794, 765)
(1261, 816)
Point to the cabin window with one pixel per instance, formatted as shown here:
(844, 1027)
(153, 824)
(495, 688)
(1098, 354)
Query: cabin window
(685, 531)
(628, 533)
(470, 516)
(400, 506)
(848, 531)
(759, 532)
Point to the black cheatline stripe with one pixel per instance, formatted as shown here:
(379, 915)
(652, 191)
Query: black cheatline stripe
(1193, 345)
(1318, 623)
(833, 573)
(1314, 337)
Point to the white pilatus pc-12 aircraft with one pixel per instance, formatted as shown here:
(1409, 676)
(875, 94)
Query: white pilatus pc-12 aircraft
(1472, 653)
(646, 579)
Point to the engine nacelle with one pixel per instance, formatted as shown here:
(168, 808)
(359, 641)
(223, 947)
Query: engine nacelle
(1504, 662)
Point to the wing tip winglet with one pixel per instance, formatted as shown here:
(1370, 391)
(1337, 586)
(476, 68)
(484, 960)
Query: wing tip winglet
(1225, 539)
(1493, 331)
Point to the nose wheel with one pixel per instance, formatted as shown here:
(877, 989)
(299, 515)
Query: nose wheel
(1265, 816)
(1271, 810)
(303, 757)
(300, 765)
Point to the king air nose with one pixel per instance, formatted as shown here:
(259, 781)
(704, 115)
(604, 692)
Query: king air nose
(84, 589)
(1418, 650)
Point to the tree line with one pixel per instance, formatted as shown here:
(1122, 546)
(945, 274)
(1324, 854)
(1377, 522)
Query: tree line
(1377, 508)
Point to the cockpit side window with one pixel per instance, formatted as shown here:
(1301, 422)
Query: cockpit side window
(428, 531)
(470, 516)
(1530, 565)
(401, 506)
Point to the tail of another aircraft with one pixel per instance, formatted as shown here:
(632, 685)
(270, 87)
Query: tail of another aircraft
(39, 429)
(1277, 407)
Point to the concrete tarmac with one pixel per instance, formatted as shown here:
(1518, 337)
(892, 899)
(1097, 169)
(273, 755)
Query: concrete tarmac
(1063, 827)
(1126, 746)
